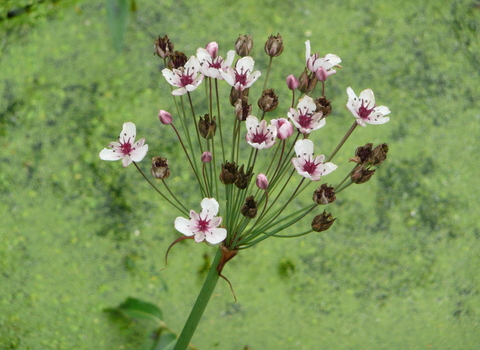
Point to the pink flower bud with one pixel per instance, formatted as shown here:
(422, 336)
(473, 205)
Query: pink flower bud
(292, 82)
(321, 74)
(212, 49)
(206, 157)
(262, 181)
(165, 117)
(284, 128)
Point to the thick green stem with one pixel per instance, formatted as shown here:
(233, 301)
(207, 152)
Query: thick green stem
(200, 304)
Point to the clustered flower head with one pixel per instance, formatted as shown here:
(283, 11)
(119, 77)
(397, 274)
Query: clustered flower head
(236, 169)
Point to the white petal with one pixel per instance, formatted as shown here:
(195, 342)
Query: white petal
(247, 63)
(170, 76)
(199, 236)
(230, 57)
(304, 146)
(184, 226)
(217, 235)
(110, 154)
(307, 50)
(210, 205)
(382, 109)
(192, 63)
(127, 160)
(178, 92)
(251, 122)
(139, 153)
(203, 55)
(328, 168)
(368, 98)
(128, 132)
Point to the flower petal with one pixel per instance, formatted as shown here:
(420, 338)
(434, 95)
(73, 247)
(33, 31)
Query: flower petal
(216, 235)
(184, 226)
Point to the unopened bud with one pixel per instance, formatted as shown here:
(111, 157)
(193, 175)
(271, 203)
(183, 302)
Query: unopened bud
(269, 100)
(262, 181)
(165, 117)
(163, 46)
(207, 126)
(274, 45)
(323, 221)
(236, 95)
(242, 109)
(306, 83)
(361, 175)
(292, 82)
(379, 154)
(243, 179)
(249, 209)
(176, 60)
(244, 45)
(284, 128)
(206, 157)
(212, 49)
(228, 175)
(324, 195)
(323, 105)
(160, 168)
(321, 74)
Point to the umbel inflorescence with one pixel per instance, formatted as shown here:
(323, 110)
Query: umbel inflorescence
(247, 169)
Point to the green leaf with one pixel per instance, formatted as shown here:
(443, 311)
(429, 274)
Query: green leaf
(141, 309)
(166, 342)
(117, 16)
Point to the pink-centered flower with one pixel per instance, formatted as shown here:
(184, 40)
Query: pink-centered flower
(314, 62)
(284, 128)
(211, 64)
(242, 76)
(307, 164)
(186, 78)
(126, 148)
(260, 135)
(203, 226)
(364, 109)
(305, 118)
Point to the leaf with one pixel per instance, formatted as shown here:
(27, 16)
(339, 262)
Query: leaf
(117, 16)
(141, 309)
(166, 342)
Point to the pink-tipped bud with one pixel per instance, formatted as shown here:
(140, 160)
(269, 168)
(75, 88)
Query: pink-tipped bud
(262, 181)
(321, 74)
(292, 82)
(206, 157)
(284, 128)
(212, 49)
(165, 117)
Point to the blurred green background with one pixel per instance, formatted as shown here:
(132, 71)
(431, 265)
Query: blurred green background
(398, 270)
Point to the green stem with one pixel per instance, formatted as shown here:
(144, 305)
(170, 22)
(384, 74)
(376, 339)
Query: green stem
(200, 304)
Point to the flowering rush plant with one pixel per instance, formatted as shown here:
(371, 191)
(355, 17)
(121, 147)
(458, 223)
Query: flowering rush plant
(248, 168)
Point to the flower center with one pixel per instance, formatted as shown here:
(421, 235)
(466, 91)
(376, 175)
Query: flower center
(305, 119)
(203, 225)
(364, 112)
(241, 77)
(186, 79)
(258, 138)
(126, 148)
(216, 63)
(309, 167)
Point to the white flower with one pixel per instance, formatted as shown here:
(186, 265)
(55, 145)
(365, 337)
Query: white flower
(260, 135)
(186, 78)
(305, 118)
(364, 109)
(211, 64)
(241, 77)
(307, 165)
(126, 148)
(204, 225)
(314, 62)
